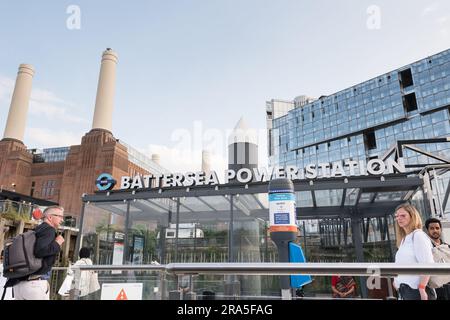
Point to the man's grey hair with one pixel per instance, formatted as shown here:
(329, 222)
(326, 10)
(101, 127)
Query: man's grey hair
(49, 210)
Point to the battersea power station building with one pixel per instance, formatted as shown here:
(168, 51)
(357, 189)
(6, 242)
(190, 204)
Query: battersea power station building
(345, 195)
(62, 175)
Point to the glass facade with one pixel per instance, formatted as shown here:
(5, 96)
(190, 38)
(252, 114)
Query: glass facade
(202, 235)
(365, 120)
(220, 226)
(50, 154)
(141, 160)
(60, 154)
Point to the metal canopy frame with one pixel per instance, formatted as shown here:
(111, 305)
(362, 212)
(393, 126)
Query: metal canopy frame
(238, 196)
(408, 144)
(396, 181)
(363, 185)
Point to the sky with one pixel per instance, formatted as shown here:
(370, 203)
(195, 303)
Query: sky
(188, 70)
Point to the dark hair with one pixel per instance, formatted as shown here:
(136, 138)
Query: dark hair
(85, 253)
(432, 220)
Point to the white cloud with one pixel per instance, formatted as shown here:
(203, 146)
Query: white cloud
(429, 9)
(46, 138)
(185, 152)
(53, 112)
(48, 96)
(443, 20)
(43, 102)
(184, 160)
(6, 88)
(444, 25)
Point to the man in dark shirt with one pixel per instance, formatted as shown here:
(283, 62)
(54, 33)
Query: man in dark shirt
(434, 231)
(47, 247)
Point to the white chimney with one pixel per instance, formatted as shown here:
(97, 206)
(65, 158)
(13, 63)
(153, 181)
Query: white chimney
(17, 116)
(106, 88)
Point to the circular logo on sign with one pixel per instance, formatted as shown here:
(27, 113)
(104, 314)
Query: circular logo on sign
(105, 181)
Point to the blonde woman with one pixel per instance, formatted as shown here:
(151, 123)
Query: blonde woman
(414, 246)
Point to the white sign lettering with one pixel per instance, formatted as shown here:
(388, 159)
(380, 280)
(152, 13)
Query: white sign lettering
(244, 175)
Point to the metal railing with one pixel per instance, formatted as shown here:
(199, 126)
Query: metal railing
(356, 269)
(176, 270)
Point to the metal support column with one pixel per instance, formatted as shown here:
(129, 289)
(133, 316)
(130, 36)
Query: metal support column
(429, 193)
(391, 252)
(125, 240)
(80, 231)
(230, 232)
(304, 237)
(232, 286)
(357, 242)
(177, 229)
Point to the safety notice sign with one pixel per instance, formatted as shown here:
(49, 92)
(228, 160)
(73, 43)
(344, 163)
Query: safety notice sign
(121, 291)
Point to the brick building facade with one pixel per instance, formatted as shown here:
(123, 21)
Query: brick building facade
(64, 181)
(65, 178)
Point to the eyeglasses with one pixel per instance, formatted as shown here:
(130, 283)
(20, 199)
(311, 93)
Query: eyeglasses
(57, 215)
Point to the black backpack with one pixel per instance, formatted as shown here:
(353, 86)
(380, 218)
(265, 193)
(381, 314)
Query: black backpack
(19, 260)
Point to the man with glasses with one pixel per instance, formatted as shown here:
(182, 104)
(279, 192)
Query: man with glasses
(434, 231)
(48, 244)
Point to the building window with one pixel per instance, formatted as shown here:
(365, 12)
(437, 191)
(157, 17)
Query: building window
(369, 140)
(48, 189)
(406, 79)
(33, 183)
(410, 102)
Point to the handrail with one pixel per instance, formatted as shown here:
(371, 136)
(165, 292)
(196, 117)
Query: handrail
(103, 267)
(359, 269)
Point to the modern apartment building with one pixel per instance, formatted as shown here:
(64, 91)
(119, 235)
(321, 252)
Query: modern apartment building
(364, 121)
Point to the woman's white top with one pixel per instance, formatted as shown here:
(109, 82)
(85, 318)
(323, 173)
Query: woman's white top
(416, 247)
(85, 277)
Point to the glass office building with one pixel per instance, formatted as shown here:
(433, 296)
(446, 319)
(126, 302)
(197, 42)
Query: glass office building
(364, 121)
